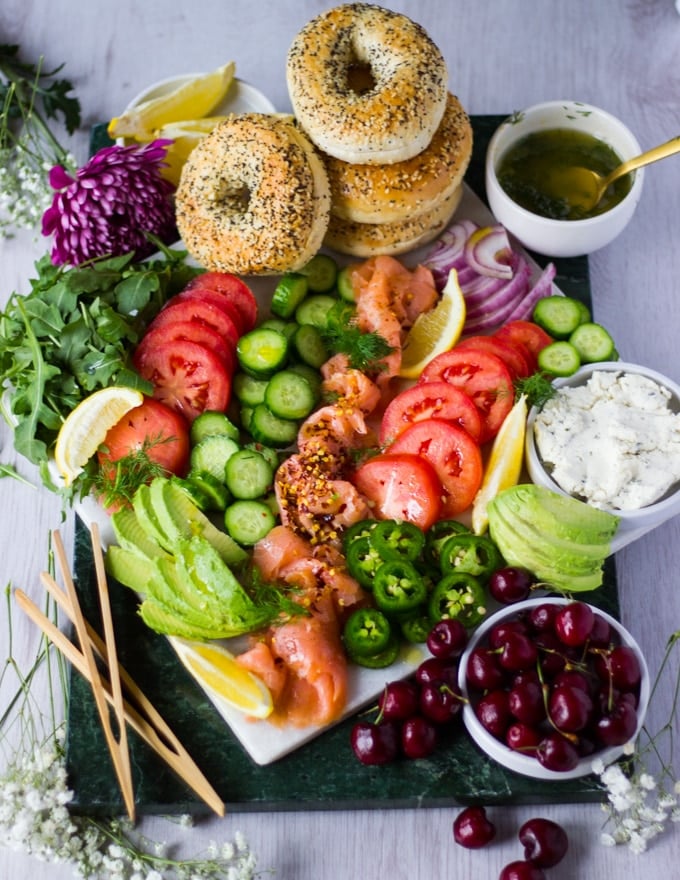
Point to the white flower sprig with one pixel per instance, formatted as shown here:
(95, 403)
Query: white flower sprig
(639, 806)
(34, 799)
(30, 99)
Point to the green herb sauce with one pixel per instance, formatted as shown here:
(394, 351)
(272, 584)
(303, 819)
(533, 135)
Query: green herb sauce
(529, 172)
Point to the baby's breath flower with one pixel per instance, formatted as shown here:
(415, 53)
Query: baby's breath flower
(638, 805)
(34, 818)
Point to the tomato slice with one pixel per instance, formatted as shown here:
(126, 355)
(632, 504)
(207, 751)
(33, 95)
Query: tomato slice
(403, 487)
(530, 335)
(192, 331)
(187, 376)
(195, 310)
(234, 289)
(454, 455)
(429, 400)
(203, 294)
(510, 354)
(165, 431)
(482, 376)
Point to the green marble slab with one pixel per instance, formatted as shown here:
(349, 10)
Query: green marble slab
(322, 775)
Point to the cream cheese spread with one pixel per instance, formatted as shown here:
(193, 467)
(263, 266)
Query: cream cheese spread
(614, 441)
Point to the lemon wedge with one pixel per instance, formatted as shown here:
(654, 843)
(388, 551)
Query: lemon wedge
(218, 673)
(86, 427)
(435, 331)
(194, 99)
(184, 136)
(505, 463)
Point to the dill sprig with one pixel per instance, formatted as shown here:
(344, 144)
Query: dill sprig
(537, 387)
(116, 482)
(364, 350)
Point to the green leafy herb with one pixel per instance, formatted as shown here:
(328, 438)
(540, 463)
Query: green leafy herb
(8, 470)
(72, 334)
(115, 484)
(364, 350)
(538, 388)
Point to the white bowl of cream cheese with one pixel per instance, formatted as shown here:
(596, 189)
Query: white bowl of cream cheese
(611, 437)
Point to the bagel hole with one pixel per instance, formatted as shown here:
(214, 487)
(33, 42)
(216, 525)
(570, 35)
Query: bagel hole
(235, 196)
(360, 77)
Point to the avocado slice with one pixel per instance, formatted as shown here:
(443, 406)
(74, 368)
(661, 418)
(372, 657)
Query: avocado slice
(143, 508)
(563, 556)
(526, 548)
(200, 564)
(198, 602)
(179, 518)
(163, 620)
(558, 514)
(129, 568)
(132, 536)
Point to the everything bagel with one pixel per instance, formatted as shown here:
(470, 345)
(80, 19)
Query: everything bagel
(391, 193)
(371, 239)
(253, 198)
(367, 85)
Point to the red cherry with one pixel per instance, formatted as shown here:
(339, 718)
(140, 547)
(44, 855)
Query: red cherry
(472, 829)
(521, 871)
(574, 623)
(447, 638)
(545, 843)
(557, 753)
(418, 737)
(399, 700)
(375, 743)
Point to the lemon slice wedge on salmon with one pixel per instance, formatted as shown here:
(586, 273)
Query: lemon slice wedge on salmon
(216, 670)
(435, 331)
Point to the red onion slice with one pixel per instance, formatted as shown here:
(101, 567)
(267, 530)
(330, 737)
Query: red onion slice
(488, 251)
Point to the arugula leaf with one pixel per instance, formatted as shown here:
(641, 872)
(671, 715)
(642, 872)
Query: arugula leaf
(74, 333)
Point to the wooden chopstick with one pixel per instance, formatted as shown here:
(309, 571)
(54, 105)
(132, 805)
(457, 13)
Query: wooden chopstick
(117, 747)
(111, 660)
(142, 715)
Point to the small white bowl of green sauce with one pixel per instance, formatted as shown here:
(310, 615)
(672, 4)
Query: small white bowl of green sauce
(523, 162)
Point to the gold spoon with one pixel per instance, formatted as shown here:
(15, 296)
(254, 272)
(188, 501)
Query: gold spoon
(583, 188)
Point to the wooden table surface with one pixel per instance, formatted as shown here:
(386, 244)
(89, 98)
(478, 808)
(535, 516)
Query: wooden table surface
(502, 55)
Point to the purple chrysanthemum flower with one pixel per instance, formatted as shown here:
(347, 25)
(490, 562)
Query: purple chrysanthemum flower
(117, 197)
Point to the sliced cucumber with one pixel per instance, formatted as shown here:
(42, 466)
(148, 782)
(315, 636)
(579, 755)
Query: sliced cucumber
(593, 343)
(249, 475)
(315, 309)
(310, 347)
(311, 374)
(271, 430)
(212, 454)
(262, 352)
(274, 324)
(344, 284)
(212, 422)
(559, 359)
(249, 390)
(288, 294)
(289, 395)
(213, 490)
(247, 522)
(268, 452)
(558, 315)
(321, 272)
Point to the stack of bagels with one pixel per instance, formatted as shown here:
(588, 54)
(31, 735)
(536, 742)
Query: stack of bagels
(369, 88)
(372, 162)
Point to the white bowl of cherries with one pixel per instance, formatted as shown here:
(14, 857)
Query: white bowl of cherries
(551, 684)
